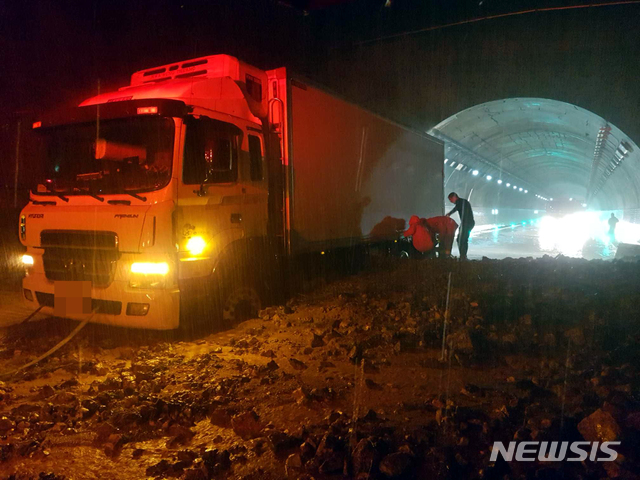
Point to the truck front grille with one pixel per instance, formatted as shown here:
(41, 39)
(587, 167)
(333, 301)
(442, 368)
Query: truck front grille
(108, 307)
(80, 256)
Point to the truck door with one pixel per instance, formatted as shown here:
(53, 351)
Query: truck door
(254, 181)
(210, 197)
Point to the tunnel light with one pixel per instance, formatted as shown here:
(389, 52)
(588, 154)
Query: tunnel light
(520, 189)
(27, 260)
(514, 187)
(452, 163)
(508, 184)
(526, 191)
(499, 182)
(535, 211)
(584, 205)
(148, 268)
(446, 160)
(196, 245)
(489, 177)
(551, 199)
(475, 173)
(571, 199)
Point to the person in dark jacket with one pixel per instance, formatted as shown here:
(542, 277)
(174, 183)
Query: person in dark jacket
(463, 207)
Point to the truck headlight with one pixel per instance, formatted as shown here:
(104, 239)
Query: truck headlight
(196, 245)
(149, 275)
(149, 268)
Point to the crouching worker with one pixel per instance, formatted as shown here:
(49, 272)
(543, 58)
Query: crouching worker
(445, 227)
(421, 237)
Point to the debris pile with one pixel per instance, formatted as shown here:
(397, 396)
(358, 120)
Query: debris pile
(371, 377)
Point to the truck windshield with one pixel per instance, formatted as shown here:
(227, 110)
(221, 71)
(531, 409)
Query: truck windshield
(122, 155)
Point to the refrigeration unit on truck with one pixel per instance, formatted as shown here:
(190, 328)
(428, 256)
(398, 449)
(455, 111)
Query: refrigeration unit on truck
(195, 184)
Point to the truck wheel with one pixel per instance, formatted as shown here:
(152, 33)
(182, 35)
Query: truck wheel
(240, 302)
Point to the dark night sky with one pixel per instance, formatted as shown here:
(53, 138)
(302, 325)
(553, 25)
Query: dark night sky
(56, 52)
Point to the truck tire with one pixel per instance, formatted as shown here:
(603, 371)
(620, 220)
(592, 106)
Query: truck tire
(241, 302)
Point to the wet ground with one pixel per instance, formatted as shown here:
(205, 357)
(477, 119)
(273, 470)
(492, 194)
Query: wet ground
(351, 380)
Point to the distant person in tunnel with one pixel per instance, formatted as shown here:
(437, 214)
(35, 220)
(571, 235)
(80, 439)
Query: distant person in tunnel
(463, 207)
(445, 228)
(613, 221)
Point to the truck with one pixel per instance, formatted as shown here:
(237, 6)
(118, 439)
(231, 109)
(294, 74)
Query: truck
(187, 194)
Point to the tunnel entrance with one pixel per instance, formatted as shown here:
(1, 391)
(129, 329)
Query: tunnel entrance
(547, 172)
(522, 152)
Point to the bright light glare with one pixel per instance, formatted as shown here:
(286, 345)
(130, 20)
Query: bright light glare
(148, 268)
(568, 235)
(196, 245)
(27, 259)
(526, 191)
(514, 187)
(489, 177)
(475, 172)
(520, 188)
(499, 182)
(508, 184)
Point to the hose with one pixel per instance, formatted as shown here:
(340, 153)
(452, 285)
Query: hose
(31, 316)
(62, 343)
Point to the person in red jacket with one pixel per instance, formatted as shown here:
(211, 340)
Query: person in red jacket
(421, 236)
(445, 227)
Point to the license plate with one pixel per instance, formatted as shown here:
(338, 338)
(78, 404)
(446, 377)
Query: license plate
(71, 298)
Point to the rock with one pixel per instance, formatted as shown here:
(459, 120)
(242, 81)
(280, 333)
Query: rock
(576, 336)
(220, 418)
(280, 442)
(158, 469)
(293, 465)
(297, 364)
(365, 457)
(372, 384)
(307, 449)
(396, 464)
(300, 396)
(216, 461)
(272, 366)
(46, 391)
(63, 398)
(317, 341)
(599, 426)
(460, 341)
(6, 425)
(333, 464)
(246, 425)
(137, 453)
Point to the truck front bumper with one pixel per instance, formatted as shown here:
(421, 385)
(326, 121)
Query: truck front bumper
(118, 304)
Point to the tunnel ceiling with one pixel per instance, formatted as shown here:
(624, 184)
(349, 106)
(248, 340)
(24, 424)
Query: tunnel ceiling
(548, 146)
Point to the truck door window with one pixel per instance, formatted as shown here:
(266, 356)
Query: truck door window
(210, 154)
(255, 154)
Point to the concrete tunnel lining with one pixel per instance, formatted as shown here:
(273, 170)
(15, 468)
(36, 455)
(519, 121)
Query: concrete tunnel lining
(548, 142)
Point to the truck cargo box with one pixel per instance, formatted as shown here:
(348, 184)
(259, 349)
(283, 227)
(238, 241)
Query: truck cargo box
(355, 176)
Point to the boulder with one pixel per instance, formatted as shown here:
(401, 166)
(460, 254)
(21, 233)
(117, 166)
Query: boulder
(599, 426)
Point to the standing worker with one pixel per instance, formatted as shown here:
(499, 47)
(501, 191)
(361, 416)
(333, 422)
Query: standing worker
(445, 227)
(613, 221)
(463, 207)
